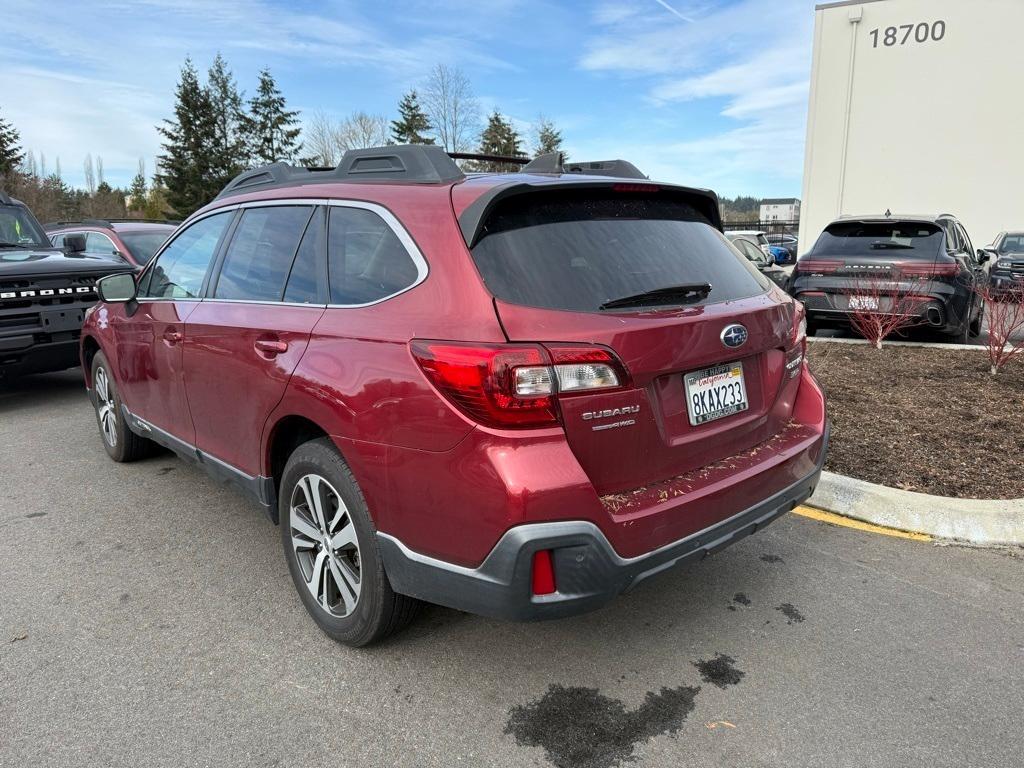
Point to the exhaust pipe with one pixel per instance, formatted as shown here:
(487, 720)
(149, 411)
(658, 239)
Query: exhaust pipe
(934, 316)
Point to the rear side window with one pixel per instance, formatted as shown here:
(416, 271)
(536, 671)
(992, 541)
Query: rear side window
(260, 255)
(181, 268)
(367, 261)
(576, 250)
(910, 239)
(304, 280)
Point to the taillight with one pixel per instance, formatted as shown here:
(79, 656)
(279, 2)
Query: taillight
(817, 266)
(797, 349)
(514, 385)
(929, 269)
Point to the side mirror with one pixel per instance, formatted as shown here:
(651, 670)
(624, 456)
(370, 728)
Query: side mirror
(74, 243)
(983, 256)
(116, 289)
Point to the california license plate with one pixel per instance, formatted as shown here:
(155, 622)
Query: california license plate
(863, 302)
(713, 393)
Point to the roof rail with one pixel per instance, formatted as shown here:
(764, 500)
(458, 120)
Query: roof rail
(554, 162)
(4, 198)
(416, 163)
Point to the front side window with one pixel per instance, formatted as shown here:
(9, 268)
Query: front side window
(180, 270)
(580, 249)
(261, 252)
(367, 261)
(18, 228)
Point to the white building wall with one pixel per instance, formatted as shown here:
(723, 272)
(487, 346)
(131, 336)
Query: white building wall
(917, 127)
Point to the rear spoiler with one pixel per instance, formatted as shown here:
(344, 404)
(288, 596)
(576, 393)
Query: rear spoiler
(472, 219)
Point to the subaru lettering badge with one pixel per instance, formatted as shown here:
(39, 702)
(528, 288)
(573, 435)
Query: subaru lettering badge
(734, 335)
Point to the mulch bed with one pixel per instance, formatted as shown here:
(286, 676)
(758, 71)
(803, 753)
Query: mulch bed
(922, 419)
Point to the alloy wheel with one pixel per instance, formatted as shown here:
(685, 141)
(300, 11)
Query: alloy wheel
(325, 544)
(105, 407)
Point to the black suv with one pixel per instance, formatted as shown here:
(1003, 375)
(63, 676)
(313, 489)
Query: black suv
(43, 294)
(930, 257)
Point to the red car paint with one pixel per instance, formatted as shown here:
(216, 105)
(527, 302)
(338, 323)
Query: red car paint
(227, 377)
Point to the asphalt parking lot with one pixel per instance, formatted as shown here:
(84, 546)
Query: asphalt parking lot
(147, 618)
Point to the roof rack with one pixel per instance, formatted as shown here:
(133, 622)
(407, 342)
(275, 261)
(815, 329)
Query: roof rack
(554, 162)
(105, 223)
(510, 159)
(417, 163)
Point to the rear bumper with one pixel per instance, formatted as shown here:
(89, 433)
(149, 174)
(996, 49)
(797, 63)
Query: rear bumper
(588, 571)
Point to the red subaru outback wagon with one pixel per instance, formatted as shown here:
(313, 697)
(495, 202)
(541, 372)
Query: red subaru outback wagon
(512, 394)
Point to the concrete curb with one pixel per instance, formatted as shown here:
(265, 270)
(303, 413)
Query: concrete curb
(978, 521)
(887, 343)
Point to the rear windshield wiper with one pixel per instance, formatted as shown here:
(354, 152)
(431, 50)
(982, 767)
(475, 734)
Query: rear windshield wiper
(673, 294)
(889, 244)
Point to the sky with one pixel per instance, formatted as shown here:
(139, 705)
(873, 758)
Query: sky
(710, 93)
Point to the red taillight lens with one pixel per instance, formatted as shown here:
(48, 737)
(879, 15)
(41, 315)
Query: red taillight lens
(480, 380)
(514, 385)
(817, 266)
(930, 269)
(543, 573)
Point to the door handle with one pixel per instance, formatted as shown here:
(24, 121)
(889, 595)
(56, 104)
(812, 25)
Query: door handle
(271, 346)
(173, 337)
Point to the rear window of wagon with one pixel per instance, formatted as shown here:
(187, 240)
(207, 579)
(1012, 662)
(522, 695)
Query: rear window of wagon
(577, 249)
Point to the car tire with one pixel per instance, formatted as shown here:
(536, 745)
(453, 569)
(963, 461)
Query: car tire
(975, 329)
(330, 544)
(120, 443)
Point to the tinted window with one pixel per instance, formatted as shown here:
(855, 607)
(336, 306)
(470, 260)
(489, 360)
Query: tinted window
(181, 268)
(19, 227)
(99, 245)
(260, 255)
(366, 260)
(858, 238)
(58, 241)
(577, 250)
(144, 244)
(304, 280)
(1012, 244)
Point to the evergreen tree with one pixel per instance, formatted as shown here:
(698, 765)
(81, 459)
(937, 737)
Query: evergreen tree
(186, 166)
(549, 138)
(229, 154)
(11, 153)
(499, 138)
(272, 130)
(413, 122)
(137, 191)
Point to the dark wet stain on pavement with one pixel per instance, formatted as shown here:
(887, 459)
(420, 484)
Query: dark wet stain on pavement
(793, 616)
(30, 515)
(165, 470)
(719, 671)
(741, 598)
(771, 559)
(582, 728)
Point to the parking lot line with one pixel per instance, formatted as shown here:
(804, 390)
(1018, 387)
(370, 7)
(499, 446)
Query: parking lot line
(849, 522)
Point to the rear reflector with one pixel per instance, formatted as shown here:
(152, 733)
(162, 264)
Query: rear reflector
(543, 573)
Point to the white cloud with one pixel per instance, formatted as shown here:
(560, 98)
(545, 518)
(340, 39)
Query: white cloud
(752, 56)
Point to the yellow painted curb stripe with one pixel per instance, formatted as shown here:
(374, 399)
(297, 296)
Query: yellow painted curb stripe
(849, 522)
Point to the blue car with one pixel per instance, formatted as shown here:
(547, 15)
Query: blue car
(780, 254)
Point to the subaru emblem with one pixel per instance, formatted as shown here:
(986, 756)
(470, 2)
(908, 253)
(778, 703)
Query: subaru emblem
(734, 335)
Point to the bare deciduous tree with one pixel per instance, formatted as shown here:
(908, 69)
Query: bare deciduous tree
(90, 175)
(453, 109)
(362, 130)
(326, 139)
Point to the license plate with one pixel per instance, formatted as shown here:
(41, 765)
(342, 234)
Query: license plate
(714, 393)
(863, 302)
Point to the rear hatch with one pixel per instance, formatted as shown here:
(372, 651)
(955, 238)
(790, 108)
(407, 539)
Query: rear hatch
(899, 255)
(556, 261)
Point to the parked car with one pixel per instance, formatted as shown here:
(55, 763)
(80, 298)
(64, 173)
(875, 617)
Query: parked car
(765, 264)
(511, 394)
(131, 240)
(1007, 269)
(929, 256)
(777, 255)
(43, 295)
(787, 241)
